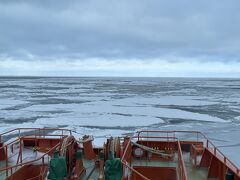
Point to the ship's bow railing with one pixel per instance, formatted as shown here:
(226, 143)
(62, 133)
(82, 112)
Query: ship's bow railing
(18, 132)
(42, 161)
(182, 173)
(192, 136)
(128, 170)
(226, 161)
(8, 149)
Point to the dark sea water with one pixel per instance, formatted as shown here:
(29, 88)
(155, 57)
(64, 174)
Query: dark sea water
(104, 106)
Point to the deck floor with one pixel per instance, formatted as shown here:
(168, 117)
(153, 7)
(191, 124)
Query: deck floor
(2, 174)
(155, 163)
(91, 172)
(192, 172)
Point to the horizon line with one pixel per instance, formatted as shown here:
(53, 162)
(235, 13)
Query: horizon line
(59, 76)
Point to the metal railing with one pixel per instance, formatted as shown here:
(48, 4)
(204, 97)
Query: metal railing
(181, 164)
(217, 153)
(126, 158)
(199, 136)
(13, 168)
(34, 133)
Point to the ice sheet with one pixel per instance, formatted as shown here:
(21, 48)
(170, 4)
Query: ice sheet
(103, 106)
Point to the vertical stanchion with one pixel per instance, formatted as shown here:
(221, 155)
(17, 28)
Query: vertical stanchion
(6, 160)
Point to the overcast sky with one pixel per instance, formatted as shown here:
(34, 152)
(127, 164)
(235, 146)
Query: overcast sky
(120, 38)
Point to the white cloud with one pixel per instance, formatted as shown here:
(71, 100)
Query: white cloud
(120, 67)
(128, 38)
(134, 29)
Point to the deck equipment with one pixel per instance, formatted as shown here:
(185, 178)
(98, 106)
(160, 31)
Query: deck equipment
(49, 153)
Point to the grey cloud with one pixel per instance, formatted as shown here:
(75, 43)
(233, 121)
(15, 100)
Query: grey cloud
(123, 29)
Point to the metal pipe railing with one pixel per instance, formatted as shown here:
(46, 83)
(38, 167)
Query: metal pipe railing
(127, 152)
(125, 161)
(198, 134)
(181, 164)
(23, 130)
(6, 169)
(19, 139)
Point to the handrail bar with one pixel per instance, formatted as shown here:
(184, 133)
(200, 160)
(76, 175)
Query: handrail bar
(124, 162)
(39, 129)
(17, 139)
(29, 162)
(132, 169)
(182, 163)
(41, 174)
(216, 150)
